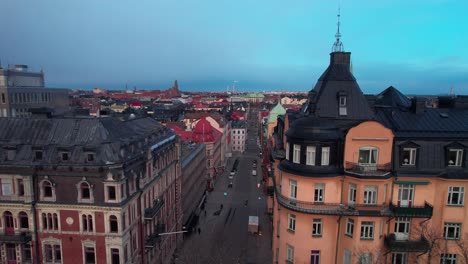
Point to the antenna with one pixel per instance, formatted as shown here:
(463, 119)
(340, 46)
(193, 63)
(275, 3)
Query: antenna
(338, 45)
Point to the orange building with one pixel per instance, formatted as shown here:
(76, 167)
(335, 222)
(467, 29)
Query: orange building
(369, 179)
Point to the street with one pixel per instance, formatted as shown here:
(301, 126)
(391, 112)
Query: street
(224, 238)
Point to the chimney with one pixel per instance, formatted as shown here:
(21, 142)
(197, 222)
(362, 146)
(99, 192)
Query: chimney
(419, 105)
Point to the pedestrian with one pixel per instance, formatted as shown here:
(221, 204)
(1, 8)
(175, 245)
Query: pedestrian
(199, 230)
(221, 206)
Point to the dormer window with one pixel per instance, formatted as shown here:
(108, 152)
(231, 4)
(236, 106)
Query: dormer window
(409, 156)
(10, 154)
(90, 157)
(455, 157)
(47, 191)
(38, 155)
(325, 156)
(342, 103)
(65, 156)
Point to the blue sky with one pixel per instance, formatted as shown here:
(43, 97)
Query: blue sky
(417, 46)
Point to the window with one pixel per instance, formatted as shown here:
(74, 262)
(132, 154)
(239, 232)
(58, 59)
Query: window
(115, 256)
(85, 192)
(367, 230)
(455, 157)
(310, 155)
(317, 227)
(349, 227)
(368, 156)
(297, 154)
(27, 254)
(10, 154)
(111, 195)
(342, 102)
(319, 193)
(452, 231)
(448, 259)
(365, 258)
(456, 195)
(291, 222)
(325, 156)
(370, 195)
(65, 156)
(293, 189)
(20, 185)
(399, 258)
(23, 219)
(52, 253)
(90, 157)
(290, 253)
(87, 223)
(50, 221)
(90, 257)
(287, 150)
(409, 156)
(113, 224)
(352, 194)
(315, 257)
(7, 188)
(3, 98)
(47, 189)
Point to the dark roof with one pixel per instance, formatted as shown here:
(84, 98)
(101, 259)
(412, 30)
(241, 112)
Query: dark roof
(391, 97)
(335, 81)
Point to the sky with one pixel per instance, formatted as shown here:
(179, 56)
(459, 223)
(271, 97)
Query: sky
(417, 46)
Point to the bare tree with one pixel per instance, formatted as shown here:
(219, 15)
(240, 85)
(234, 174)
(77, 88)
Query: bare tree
(369, 255)
(462, 247)
(435, 239)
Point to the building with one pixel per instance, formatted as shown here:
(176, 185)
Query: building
(193, 182)
(239, 135)
(254, 97)
(369, 180)
(92, 190)
(272, 119)
(22, 90)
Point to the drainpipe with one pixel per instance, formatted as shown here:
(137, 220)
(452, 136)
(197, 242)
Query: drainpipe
(140, 224)
(338, 239)
(34, 214)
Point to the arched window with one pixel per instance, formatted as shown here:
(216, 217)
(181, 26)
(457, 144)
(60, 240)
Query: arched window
(44, 221)
(85, 192)
(113, 224)
(87, 222)
(23, 219)
(8, 220)
(47, 189)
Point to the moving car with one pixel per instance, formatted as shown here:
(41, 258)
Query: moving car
(254, 172)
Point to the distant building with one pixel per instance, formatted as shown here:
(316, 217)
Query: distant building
(22, 90)
(239, 135)
(254, 97)
(98, 190)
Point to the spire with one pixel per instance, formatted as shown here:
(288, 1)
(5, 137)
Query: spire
(338, 45)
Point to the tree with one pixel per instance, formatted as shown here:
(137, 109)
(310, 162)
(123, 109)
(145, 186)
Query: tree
(369, 255)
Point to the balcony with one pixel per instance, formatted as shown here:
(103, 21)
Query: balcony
(412, 211)
(155, 237)
(368, 169)
(152, 211)
(393, 245)
(18, 237)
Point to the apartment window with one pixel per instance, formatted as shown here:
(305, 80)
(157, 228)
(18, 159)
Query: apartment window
(90, 157)
(310, 155)
(352, 194)
(448, 258)
(38, 155)
(115, 256)
(317, 227)
(368, 156)
(7, 188)
(87, 223)
(365, 258)
(293, 189)
(292, 222)
(287, 150)
(315, 257)
(113, 224)
(50, 221)
(297, 154)
(456, 195)
(90, 256)
(367, 230)
(409, 156)
(290, 254)
(47, 189)
(65, 156)
(111, 195)
(23, 220)
(370, 195)
(85, 191)
(3, 98)
(455, 157)
(325, 156)
(349, 227)
(399, 258)
(20, 185)
(342, 103)
(319, 193)
(452, 231)
(52, 253)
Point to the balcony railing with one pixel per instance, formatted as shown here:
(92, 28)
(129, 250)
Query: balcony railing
(412, 211)
(368, 169)
(18, 237)
(393, 245)
(152, 211)
(155, 237)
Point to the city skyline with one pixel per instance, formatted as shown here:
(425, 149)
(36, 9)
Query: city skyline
(263, 45)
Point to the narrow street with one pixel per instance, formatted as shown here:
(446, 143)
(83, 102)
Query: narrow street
(224, 238)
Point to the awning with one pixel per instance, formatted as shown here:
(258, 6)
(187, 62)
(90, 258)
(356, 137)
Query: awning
(412, 182)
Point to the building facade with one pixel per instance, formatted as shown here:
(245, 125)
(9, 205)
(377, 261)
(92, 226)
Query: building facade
(239, 135)
(88, 191)
(22, 90)
(369, 180)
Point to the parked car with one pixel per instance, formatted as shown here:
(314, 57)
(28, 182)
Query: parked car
(232, 173)
(230, 185)
(254, 172)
